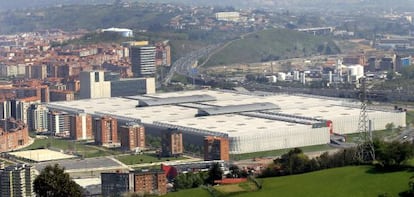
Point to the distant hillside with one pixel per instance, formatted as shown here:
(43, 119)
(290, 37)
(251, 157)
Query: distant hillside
(73, 17)
(274, 44)
(24, 4)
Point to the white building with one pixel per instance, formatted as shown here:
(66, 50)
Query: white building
(93, 85)
(228, 16)
(252, 123)
(123, 32)
(37, 118)
(12, 70)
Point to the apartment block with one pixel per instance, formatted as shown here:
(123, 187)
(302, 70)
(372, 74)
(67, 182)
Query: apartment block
(132, 136)
(105, 131)
(139, 182)
(150, 182)
(172, 143)
(216, 148)
(81, 126)
(17, 181)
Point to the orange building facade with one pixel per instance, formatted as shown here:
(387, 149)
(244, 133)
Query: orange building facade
(216, 148)
(13, 134)
(132, 136)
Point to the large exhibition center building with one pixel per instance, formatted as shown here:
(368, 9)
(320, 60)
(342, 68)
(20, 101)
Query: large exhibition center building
(251, 122)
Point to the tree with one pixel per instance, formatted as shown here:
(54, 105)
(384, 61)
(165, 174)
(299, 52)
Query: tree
(215, 173)
(294, 162)
(392, 154)
(389, 126)
(54, 182)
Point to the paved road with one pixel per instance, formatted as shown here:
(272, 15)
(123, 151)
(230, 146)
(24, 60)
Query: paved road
(185, 64)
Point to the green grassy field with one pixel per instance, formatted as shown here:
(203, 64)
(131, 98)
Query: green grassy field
(272, 44)
(380, 134)
(348, 181)
(145, 158)
(196, 192)
(324, 147)
(409, 117)
(80, 148)
(355, 181)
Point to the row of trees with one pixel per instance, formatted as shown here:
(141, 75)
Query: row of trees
(193, 180)
(389, 156)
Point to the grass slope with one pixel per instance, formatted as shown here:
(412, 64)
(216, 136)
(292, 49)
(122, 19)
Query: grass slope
(196, 192)
(139, 159)
(273, 44)
(347, 181)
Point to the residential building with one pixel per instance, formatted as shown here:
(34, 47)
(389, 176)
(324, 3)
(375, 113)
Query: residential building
(172, 143)
(17, 181)
(13, 134)
(140, 182)
(132, 136)
(163, 54)
(61, 95)
(143, 60)
(132, 86)
(117, 184)
(81, 126)
(216, 148)
(36, 71)
(93, 85)
(20, 108)
(105, 131)
(5, 109)
(150, 182)
(38, 118)
(59, 123)
(228, 16)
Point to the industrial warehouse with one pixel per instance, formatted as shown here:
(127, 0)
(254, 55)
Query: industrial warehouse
(250, 122)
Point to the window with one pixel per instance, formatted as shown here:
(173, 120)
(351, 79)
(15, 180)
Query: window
(96, 76)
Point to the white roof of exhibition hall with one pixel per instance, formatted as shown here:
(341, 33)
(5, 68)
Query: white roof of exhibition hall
(234, 125)
(230, 122)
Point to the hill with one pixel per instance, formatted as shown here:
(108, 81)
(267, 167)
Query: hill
(352, 181)
(272, 44)
(90, 17)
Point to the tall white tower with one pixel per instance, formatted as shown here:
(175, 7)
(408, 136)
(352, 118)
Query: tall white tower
(93, 85)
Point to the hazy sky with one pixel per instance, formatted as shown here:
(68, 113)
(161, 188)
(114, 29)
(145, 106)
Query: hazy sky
(292, 4)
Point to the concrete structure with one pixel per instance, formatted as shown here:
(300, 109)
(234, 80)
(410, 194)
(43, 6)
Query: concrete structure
(38, 118)
(12, 70)
(143, 60)
(132, 86)
(216, 148)
(59, 123)
(61, 95)
(150, 182)
(132, 136)
(81, 126)
(299, 120)
(17, 181)
(140, 182)
(121, 31)
(172, 143)
(20, 108)
(36, 71)
(93, 85)
(228, 16)
(105, 130)
(41, 155)
(116, 184)
(163, 54)
(13, 134)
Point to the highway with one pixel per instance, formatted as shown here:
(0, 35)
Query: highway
(185, 64)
